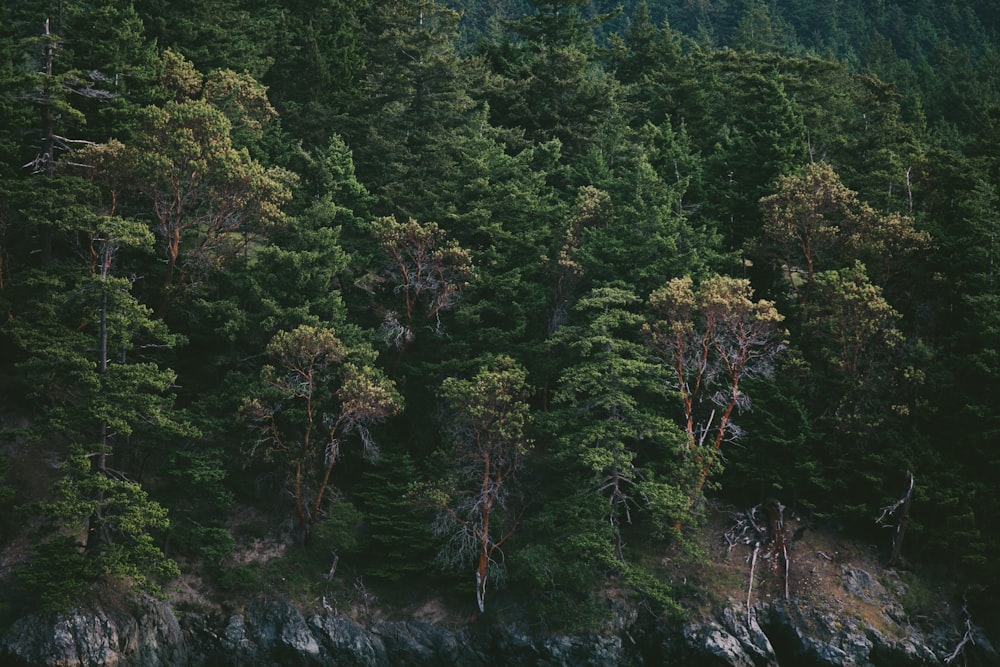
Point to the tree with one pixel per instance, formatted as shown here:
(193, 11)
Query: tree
(486, 422)
(561, 23)
(414, 126)
(90, 348)
(398, 543)
(710, 339)
(546, 80)
(644, 234)
(747, 148)
(607, 405)
(865, 377)
(592, 211)
(120, 518)
(215, 33)
(317, 393)
(635, 52)
(205, 194)
(760, 30)
(318, 54)
(852, 329)
(65, 88)
(814, 223)
(428, 272)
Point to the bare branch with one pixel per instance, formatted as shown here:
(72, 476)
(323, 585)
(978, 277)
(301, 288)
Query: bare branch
(903, 507)
(968, 638)
(753, 564)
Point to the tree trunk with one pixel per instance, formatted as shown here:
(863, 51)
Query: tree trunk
(101, 460)
(904, 518)
(484, 561)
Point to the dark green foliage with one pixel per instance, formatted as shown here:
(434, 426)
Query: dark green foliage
(216, 33)
(59, 574)
(568, 549)
(118, 519)
(316, 55)
(777, 457)
(610, 420)
(397, 543)
(8, 494)
(184, 185)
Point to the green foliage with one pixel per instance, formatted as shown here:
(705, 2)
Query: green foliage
(761, 31)
(777, 457)
(317, 53)
(486, 425)
(213, 545)
(199, 471)
(317, 392)
(214, 210)
(397, 542)
(711, 338)
(568, 551)
(118, 521)
(214, 34)
(612, 423)
(59, 575)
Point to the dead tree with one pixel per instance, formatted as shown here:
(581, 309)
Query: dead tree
(764, 527)
(902, 507)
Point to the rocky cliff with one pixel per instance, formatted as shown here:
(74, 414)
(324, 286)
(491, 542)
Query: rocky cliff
(275, 631)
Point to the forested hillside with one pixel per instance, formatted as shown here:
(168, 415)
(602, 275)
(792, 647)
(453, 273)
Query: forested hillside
(494, 296)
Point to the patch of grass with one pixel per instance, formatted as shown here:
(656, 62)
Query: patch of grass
(920, 598)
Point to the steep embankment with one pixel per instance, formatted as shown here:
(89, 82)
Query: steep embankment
(842, 608)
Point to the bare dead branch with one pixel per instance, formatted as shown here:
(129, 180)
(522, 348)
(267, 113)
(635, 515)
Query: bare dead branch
(788, 566)
(903, 507)
(769, 539)
(968, 638)
(753, 564)
(890, 510)
(333, 567)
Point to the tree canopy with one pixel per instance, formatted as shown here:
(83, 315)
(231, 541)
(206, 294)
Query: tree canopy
(581, 271)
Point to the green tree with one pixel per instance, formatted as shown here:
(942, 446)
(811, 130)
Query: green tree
(317, 393)
(398, 544)
(89, 347)
(710, 339)
(561, 23)
(644, 234)
(55, 91)
(120, 519)
(862, 384)
(318, 53)
(761, 31)
(426, 271)
(215, 34)
(608, 407)
(486, 421)
(546, 79)
(415, 128)
(206, 195)
(813, 223)
(510, 217)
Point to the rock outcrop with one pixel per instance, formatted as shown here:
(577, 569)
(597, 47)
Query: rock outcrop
(275, 631)
(145, 633)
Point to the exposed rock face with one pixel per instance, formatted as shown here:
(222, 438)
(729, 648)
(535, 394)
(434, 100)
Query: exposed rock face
(147, 634)
(274, 631)
(735, 639)
(867, 627)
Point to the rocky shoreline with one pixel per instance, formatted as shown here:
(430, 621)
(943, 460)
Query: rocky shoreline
(271, 630)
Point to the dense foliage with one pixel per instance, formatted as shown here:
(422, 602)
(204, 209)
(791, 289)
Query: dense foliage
(492, 294)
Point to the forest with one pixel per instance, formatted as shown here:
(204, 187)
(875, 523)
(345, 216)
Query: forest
(491, 297)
